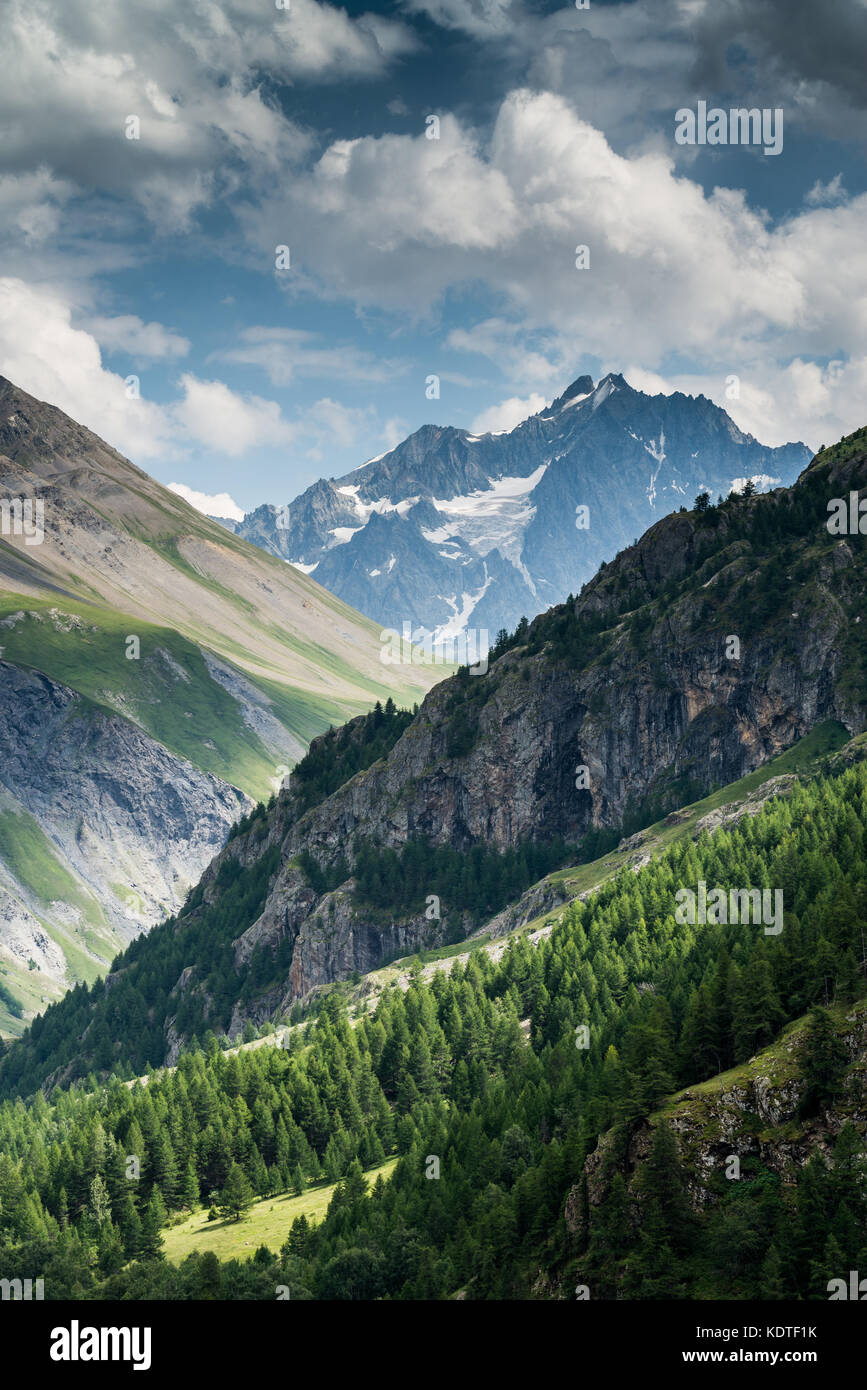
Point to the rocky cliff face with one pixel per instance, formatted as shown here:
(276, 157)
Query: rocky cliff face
(237, 661)
(749, 1113)
(635, 697)
(102, 829)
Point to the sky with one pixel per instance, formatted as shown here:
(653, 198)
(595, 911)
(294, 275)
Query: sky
(253, 243)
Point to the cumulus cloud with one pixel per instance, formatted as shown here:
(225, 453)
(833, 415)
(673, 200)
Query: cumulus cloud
(211, 413)
(31, 205)
(391, 220)
(484, 19)
(127, 333)
(43, 354)
(218, 504)
(777, 403)
(629, 66)
(507, 414)
(535, 360)
(674, 271)
(75, 75)
(403, 223)
(817, 67)
(328, 421)
(394, 430)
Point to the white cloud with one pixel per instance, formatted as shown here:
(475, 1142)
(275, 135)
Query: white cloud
(391, 220)
(402, 219)
(283, 353)
(220, 504)
(484, 19)
(674, 272)
(31, 205)
(127, 333)
(628, 66)
(42, 353)
(506, 345)
(507, 414)
(798, 400)
(223, 420)
(827, 194)
(394, 431)
(329, 422)
(74, 73)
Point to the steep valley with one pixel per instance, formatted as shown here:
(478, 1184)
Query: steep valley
(632, 687)
(157, 675)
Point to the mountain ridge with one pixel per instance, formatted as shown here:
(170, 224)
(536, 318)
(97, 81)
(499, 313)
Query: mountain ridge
(632, 686)
(449, 528)
(159, 630)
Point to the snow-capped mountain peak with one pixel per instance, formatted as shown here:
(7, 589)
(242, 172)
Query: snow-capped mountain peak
(450, 530)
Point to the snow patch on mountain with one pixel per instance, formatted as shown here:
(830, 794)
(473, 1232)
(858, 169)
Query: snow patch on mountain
(492, 523)
(576, 400)
(494, 518)
(460, 616)
(602, 392)
(343, 534)
(657, 452)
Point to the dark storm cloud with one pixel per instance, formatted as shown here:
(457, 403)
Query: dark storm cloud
(798, 40)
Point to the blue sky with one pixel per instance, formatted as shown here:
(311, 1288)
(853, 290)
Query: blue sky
(260, 126)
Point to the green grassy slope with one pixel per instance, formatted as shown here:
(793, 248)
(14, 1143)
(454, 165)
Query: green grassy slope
(265, 1223)
(168, 690)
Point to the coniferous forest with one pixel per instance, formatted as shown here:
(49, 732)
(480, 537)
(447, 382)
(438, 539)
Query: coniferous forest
(433, 685)
(516, 1144)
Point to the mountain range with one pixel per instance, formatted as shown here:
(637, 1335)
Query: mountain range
(156, 673)
(451, 530)
(453, 947)
(720, 639)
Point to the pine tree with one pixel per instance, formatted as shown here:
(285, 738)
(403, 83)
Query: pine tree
(824, 1063)
(237, 1194)
(354, 1185)
(757, 1012)
(130, 1229)
(154, 1219)
(666, 1214)
(190, 1187)
(99, 1206)
(771, 1282)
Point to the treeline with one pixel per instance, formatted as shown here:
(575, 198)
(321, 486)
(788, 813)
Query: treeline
(474, 883)
(119, 1024)
(781, 532)
(480, 881)
(336, 757)
(444, 1071)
